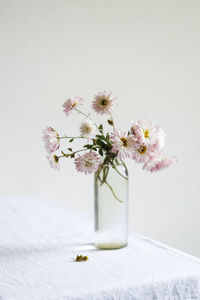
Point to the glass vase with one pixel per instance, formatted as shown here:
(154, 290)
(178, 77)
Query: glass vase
(111, 206)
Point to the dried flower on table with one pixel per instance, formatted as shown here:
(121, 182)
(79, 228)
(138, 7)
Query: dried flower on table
(80, 258)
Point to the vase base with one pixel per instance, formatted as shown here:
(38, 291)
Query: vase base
(110, 246)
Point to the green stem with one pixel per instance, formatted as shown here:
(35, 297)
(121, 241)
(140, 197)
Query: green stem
(71, 154)
(123, 163)
(110, 187)
(81, 113)
(79, 151)
(72, 137)
(119, 172)
(87, 116)
(99, 178)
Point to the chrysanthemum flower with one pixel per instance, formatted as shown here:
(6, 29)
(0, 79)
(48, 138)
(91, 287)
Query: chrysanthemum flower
(54, 161)
(144, 132)
(51, 139)
(123, 144)
(87, 163)
(104, 102)
(87, 129)
(159, 162)
(71, 104)
(142, 152)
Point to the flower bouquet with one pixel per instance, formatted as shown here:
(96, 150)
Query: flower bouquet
(103, 154)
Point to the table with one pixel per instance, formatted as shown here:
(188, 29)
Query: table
(39, 239)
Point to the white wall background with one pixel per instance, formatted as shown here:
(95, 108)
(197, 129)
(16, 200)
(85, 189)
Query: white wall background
(147, 52)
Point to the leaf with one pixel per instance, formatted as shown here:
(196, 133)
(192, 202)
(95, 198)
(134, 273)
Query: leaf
(102, 144)
(110, 122)
(102, 137)
(99, 136)
(100, 151)
(71, 140)
(70, 149)
(101, 128)
(88, 146)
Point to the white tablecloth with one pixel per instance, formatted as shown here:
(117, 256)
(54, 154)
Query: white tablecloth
(38, 241)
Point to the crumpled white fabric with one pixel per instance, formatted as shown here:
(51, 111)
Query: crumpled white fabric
(38, 241)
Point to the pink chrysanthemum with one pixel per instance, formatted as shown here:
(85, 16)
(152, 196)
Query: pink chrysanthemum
(104, 102)
(87, 163)
(144, 132)
(51, 139)
(123, 144)
(54, 161)
(142, 153)
(158, 163)
(71, 104)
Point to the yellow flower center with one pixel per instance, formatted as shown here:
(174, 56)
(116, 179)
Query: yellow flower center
(146, 133)
(73, 105)
(142, 149)
(124, 141)
(104, 102)
(88, 163)
(87, 129)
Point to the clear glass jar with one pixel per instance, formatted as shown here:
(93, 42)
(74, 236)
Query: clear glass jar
(111, 206)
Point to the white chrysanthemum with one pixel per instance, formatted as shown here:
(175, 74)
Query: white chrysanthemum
(87, 129)
(88, 163)
(123, 144)
(54, 161)
(104, 102)
(142, 153)
(144, 132)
